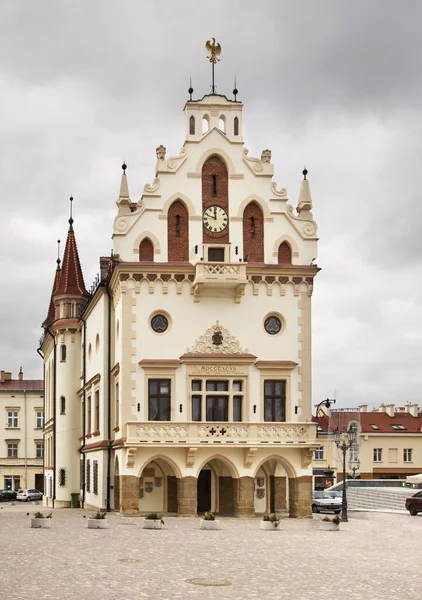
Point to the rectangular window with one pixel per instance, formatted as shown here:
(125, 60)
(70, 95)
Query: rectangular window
(237, 408)
(95, 476)
(319, 453)
(377, 454)
(117, 405)
(12, 482)
(62, 352)
(217, 408)
(217, 386)
(88, 475)
(62, 405)
(39, 446)
(196, 385)
(88, 416)
(274, 400)
(12, 418)
(97, 410)
(407, 455)
(196, 408)
(40, 419)
(215, 254)
(159, 399)
(214, 185)
(12, 450)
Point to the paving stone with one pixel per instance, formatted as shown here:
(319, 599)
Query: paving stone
(374, 556)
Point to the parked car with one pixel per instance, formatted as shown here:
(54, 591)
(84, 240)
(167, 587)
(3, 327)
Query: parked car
(6, 495)
(323, 501)
(335, 493)
(27, 495)
(414, 503)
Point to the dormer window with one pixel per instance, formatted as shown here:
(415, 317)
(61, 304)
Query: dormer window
(192, 125)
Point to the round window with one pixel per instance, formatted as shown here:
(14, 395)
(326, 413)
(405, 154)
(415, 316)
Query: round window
(159, 323)
(272, 325)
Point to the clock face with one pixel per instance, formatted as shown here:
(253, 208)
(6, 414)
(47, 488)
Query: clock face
(215, 219)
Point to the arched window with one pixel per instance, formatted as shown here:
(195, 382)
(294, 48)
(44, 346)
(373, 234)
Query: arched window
(222, 123)
(236, 126)
(63, 352)
(178, 232)
(146, 251)
(205, 124)
(192, 125)
(62, 405)
(284, 254)
(253, 233)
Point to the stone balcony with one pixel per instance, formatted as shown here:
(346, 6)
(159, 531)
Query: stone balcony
(231, 434)
(212, 278)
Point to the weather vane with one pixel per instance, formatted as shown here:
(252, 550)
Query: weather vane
(214, 50)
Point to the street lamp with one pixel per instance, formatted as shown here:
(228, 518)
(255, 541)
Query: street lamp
(354, 466)
(327, 403)
(344, 441)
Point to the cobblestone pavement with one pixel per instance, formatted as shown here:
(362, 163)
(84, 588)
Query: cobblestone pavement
(373, 556)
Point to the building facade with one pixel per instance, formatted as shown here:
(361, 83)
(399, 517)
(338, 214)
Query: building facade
(21, 441)
(182, 382)
(388, 444)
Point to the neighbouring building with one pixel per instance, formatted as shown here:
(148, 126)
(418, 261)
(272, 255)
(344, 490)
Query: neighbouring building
(21, 441)
(388, 444)
(182, 381)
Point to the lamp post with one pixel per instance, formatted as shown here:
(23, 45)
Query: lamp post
(344, 441)
(354, 466)
(327, 403)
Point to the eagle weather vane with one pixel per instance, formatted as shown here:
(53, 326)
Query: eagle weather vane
(214, 50)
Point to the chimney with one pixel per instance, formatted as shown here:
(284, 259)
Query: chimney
(413, 409)
(363, 408)
(389, 409)
(20, 375)
(5, 376)
(381, 408)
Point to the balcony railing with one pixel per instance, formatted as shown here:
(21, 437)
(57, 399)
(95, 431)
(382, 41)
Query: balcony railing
(213, 275)
(249, 434)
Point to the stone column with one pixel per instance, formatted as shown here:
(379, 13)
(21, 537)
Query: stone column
(187, 500)
(280, 488)
(300, 496)
(243, 497)
(129, 494)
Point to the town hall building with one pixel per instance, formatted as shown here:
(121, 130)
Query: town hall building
(182, 382)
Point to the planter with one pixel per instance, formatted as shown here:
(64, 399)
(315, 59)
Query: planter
(268, 526)
(97, 524)
(40, 523)
(153, 524)
(329, 526)
(203, 524)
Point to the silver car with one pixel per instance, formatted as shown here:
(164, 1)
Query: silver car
(323, 501)
(27, 495)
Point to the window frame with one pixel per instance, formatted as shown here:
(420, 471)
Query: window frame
(160, 398)
(39, 416)
(273, 397)
(321, 453)
(407, 455)
(97, 410)
(12, 449)
(377, 454)
(12, 417)
(235, 387)
(39, 449)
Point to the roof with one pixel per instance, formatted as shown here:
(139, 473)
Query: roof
(21, 385)
(71, 280)
(403, 422)
(51, 315)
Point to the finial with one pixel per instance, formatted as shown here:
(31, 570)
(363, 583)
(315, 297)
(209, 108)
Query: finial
(190, 90)
(305, 172)
(21, 372)
(214, 50)
(124, 167)
(235, 91)
(58, 261)
(71, 219)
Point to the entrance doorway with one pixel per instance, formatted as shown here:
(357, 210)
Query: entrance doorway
(204, 490)
(39, 482)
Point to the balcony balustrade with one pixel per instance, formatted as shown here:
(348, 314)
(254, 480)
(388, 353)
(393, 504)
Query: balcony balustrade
(213, 277)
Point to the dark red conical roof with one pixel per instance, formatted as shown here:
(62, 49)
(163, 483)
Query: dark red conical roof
(51, 310)
(71, 279)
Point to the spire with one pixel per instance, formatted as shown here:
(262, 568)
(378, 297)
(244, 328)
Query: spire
(51, 315)
(71, 278)
(190, 90)
(70, 220)
(124, 189)
(235, 91)
(305, 199)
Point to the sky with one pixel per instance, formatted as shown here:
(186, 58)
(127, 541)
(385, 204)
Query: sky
(332, 84)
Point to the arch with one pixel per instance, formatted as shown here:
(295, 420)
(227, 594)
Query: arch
(253, 233)
(291, 473)
(284, 254)
(191, 125)
(222, 123)
(232, 468)
(236, 126)
(170, 461)
(146, 250)
(152, 237)
(215, 189)
(205, 123)
(258, 200)
(182, 198)
(292, 243)
(178, 232)
(215, 152)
